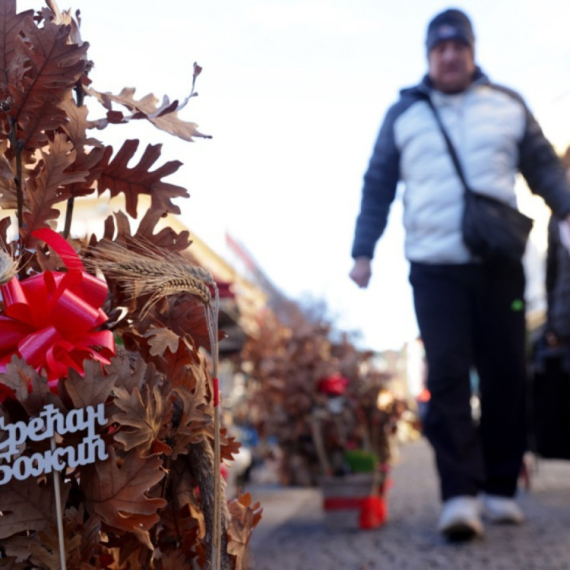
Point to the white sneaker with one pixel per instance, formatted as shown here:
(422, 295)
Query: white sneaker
(502, 510)
(461, 518)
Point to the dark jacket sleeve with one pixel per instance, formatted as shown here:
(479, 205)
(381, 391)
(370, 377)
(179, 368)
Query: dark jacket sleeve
(379, 189)
(542, 169)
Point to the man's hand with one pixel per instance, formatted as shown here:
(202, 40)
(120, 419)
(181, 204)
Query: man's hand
(361, 271)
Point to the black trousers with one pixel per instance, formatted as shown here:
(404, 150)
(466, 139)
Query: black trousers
(472, 315)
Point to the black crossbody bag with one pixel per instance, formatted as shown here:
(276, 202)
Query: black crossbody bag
(491, 229)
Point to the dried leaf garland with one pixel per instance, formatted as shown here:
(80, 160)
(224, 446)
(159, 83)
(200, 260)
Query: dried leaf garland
(288, 363)
(158, 392)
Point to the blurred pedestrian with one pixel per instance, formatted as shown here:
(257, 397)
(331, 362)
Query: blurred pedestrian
(470, 311)
(558, 283)
(550, 381)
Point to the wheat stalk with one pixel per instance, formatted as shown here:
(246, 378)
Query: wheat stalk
(148, 270)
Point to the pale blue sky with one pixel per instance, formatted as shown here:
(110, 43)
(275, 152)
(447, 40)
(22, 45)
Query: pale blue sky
(293, 92)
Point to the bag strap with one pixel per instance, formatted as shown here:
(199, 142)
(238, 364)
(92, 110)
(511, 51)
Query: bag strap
(449, 144)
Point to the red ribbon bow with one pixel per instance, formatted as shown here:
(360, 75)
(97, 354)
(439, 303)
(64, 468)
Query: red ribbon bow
(50, 319)
(333, 385)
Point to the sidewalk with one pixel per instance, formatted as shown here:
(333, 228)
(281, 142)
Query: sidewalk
(292, 536)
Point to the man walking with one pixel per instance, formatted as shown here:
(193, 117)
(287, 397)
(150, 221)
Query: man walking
(470, 312)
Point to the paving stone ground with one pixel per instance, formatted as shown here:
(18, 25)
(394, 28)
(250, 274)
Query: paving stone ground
(293, 536)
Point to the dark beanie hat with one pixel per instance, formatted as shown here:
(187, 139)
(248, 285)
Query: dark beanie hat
(450, 25)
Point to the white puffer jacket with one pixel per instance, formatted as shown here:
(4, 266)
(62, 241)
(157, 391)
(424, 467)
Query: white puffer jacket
(494, 135)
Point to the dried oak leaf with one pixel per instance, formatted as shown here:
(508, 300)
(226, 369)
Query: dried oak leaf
(121, 561)
(52, 12)
(27, 506)
(118, 494)
(244, 503)
(161, 340)
(90, 152)
(170, 123)
(30, 388)
(201, 381)
(164, 117)
(128, 551)
(11, 26)
(49, 186)
(154, 374)
(19, 377)
(44, 548)
(193, 417)
(174, 366)
(44, 115)
(38, 83)
(145, 412)
(42, 259)
(166, 238)
(183, 487)
(118, 177)
(123, 229)
(184, 517)
(129, 368)
(238, 537)
(17, 547)
(180, 531)
(244, 517)
(228, 445)
(91, 389)
(55, 64)
(89, 533)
